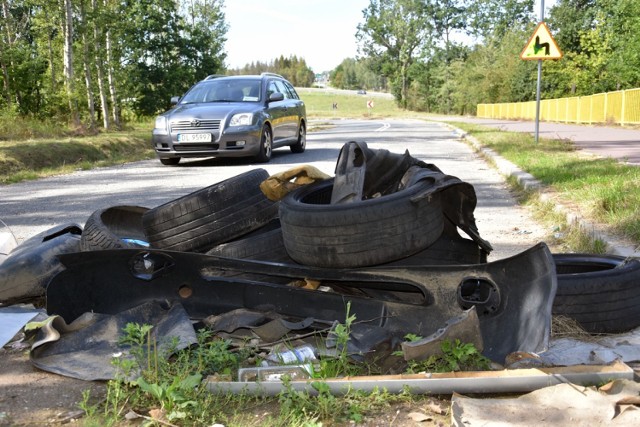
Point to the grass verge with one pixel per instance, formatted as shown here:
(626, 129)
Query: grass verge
(602, 190)
(27, 159)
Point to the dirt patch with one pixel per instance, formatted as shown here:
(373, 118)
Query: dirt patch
(29, 396)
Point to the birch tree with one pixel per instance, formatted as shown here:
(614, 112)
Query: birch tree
(393, 34)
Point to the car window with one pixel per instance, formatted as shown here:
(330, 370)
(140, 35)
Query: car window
(252, 91)
(272, 88)
(224, 90)
(292, 92)
(199, 93)
(285, 89)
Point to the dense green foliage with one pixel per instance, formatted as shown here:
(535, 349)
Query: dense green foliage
(293, 69)
(449, 55)
(83, 62)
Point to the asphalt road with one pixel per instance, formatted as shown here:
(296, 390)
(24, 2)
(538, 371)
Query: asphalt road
(31, 207)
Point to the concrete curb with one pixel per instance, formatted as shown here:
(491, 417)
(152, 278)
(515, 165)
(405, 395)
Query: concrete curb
(615, 245)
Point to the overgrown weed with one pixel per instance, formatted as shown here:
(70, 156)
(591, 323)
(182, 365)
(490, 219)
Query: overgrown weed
(165, 386)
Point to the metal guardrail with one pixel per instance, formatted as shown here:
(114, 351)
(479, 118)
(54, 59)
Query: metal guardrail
(621, 107)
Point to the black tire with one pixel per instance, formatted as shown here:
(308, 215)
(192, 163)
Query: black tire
(301, 144)
(171, 161)
(266, 145)
(601, 292)
(266, 246)
(211, 216)
(357, 234)
(447, 250)
(117, 227)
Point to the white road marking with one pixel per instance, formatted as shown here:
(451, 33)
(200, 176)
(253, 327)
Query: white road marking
(384, 127)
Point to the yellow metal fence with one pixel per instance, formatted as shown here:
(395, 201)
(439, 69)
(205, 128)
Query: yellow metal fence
(621, 107)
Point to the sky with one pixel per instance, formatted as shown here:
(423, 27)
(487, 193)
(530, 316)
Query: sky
(320, 31)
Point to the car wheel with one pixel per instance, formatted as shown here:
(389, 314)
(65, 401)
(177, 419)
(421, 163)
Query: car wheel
(301, 144)
(117, 227)
(211, 216)
(361, 233)
(600, 292)
(266, 145)
(171, 161)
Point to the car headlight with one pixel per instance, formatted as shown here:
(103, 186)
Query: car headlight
(161, 123)
(241, 119)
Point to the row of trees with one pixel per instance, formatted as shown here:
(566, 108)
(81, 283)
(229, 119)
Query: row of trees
(292, 68)
(449, 55)
(83, 60)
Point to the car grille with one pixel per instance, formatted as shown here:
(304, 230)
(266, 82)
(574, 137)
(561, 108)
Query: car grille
(200, 124)
(195, 147)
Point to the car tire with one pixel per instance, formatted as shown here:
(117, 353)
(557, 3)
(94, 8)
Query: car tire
(265, 246)
(266, 145)
(449, 249)
(301, 144)
(117, 227)
(171, 161)
(213, 215)
(361, 233)
(600, 292)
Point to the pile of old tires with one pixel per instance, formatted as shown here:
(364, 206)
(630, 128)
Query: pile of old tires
(398, 221)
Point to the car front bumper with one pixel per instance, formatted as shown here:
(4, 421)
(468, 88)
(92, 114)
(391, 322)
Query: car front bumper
(242, 141)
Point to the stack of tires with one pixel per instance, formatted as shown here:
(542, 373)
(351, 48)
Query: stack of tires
(403, 227)
(234, 219)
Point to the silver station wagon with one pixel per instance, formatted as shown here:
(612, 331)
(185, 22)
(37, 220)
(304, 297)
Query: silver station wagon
(232, 116)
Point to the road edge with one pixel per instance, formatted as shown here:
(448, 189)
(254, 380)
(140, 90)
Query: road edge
(615, 245)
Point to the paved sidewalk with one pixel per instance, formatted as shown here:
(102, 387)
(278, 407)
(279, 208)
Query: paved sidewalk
(619, 143)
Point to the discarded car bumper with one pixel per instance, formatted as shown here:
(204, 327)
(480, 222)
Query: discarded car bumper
(513, 297)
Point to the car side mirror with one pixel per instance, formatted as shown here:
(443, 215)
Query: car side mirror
(174, 100)
(276, 96)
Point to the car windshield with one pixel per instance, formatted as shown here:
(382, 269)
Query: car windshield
(224, 90)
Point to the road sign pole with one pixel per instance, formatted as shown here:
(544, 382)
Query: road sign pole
(537, 135)
(538, 100)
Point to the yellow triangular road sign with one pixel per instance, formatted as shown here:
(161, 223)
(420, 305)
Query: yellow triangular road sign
(541, 45)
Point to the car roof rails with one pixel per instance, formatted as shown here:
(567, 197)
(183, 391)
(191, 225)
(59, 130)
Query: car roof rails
(271, 74)
(214, 76)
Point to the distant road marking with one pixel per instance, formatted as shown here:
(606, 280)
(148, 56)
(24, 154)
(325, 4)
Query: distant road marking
(384, 127)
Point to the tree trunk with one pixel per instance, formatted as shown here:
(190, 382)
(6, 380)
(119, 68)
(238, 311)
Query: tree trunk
(87, 68)
(10, 39)
(97, 36)
(115, 111)
(67, 31)
(52, 62)
(6, 93)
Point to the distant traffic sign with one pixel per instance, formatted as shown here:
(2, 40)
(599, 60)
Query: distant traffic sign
(370, 104)
(541, 45)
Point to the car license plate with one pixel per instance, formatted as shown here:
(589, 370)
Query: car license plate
(194, 137)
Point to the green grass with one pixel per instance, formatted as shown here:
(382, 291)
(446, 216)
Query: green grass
(169, 387)
(33, 158)
(603, 190)
(319, 105)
